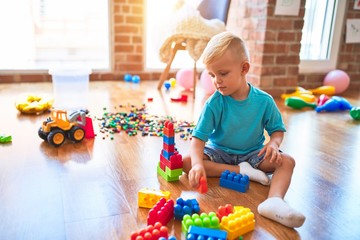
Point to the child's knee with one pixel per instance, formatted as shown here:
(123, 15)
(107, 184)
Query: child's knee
(289, 161)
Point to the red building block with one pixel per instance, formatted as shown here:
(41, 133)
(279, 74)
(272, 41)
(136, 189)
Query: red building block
(203, 187)
(174, 163)
(89, 129)
(151, 232)
(169, 129)
(162, 212)
(169, 148)
(224, 211)
(182, 98)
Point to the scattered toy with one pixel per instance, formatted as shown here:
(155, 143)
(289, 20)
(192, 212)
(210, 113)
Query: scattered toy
(183, 98)
(334, 104)
(203, 187)
(58, 127)
(4, 138)
(298, 103)
(355, 113)
(34, 104)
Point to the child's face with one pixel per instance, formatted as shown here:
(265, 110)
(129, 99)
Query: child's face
(227, 75)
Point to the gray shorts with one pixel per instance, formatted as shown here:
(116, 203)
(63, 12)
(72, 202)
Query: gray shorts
(219, 156)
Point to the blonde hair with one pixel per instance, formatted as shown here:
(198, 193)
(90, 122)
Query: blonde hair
(221, 42)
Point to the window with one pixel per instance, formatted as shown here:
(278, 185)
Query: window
(43, 34)
(321, 35)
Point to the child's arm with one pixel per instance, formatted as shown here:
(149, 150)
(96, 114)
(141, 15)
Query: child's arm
(271, 149)
(197, 164)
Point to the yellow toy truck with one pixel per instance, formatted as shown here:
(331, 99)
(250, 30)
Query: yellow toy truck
(58, 127)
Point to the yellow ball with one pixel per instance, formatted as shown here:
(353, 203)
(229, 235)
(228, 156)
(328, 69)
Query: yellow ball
(172, 82)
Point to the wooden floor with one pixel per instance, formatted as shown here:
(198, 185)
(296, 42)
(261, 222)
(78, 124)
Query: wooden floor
(89, 190)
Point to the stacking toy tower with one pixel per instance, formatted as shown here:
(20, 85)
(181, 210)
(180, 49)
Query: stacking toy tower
(170, 166)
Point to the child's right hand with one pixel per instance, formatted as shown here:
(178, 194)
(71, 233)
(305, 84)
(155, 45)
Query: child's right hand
(197, 171)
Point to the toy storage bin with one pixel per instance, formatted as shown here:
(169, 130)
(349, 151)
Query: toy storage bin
(71, 88)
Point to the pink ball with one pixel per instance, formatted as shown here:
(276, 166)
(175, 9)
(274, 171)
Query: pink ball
(338, 79)
(207, 83)
(185, 78)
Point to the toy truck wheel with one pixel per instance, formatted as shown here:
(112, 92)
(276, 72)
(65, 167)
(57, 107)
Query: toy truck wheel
(42, 134)
(56, 137)
(76, 134)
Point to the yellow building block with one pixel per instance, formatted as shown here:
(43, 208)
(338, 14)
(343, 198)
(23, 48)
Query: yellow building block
(147, 198)
(238, 223)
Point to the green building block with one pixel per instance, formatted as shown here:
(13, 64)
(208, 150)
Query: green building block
(5, 138)
(165, 176)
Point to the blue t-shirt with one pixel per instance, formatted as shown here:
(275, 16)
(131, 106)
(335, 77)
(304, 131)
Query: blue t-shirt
(237, 126)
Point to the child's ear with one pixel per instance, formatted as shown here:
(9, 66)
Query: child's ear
(245, 67)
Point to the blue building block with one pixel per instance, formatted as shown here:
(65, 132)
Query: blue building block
(169, 238)
(169, 140)
(167, 154)
(234, 181)
(183, 207)
(195, 233)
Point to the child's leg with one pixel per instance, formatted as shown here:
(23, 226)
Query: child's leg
(254, 174)
(275, 207)
(213, 169)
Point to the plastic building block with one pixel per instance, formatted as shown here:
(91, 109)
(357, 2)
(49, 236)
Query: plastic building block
(166, 154)
(237, 182)
(169, 238)
(147, 198)
(162, 212)
(238, 223)
(87, 126)
(195, 233)
(5, 138)
(204, 220)
(169, 140)
(203, 188)
(169, 148)
(173, 173)
(169, 129)
(170, 165)
(182, 98)
(163, 174)
(224, 211)
(175, 161)
(151, 232)
(183, 207)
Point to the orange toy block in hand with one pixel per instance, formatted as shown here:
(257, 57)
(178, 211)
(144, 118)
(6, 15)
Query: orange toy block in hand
(203, 188)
